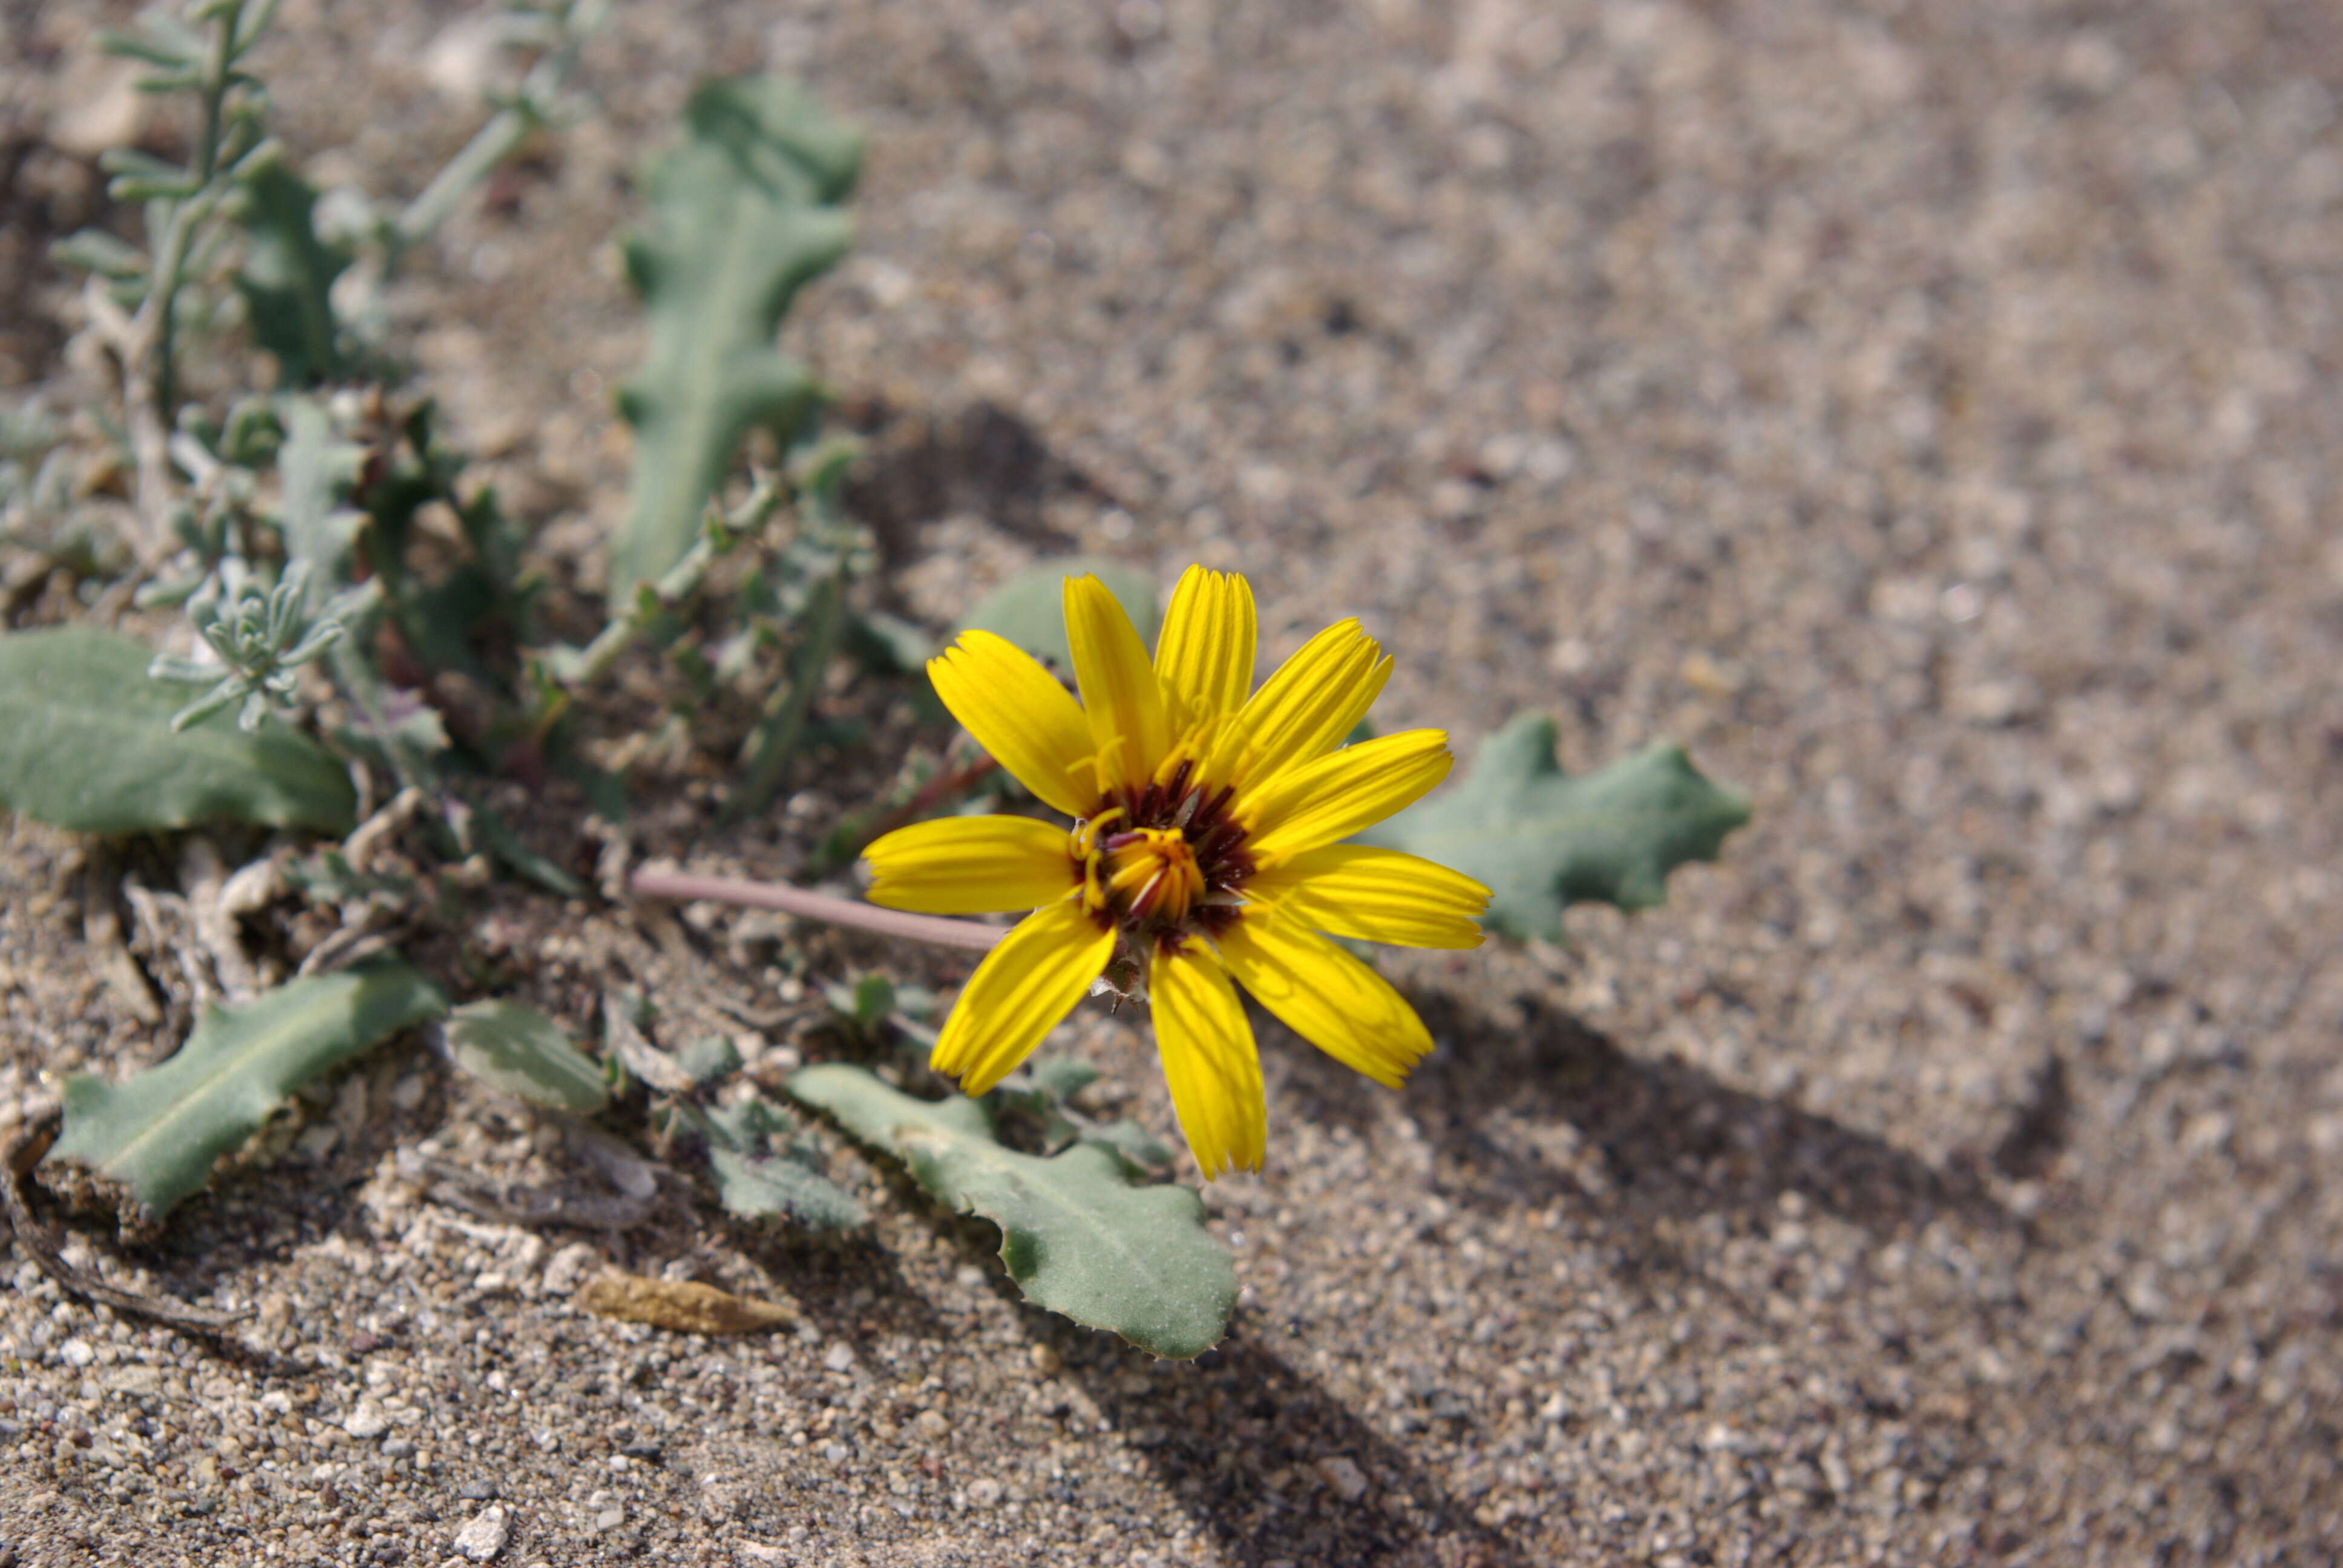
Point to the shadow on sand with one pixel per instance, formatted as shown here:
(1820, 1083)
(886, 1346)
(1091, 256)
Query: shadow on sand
(1251, 1444)
(1654, 1137)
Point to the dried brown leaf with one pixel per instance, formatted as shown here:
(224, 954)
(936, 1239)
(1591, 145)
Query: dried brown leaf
(683, 1305)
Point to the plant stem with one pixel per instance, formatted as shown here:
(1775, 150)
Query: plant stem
(490, 146)
(179, 238)
(775, 738)
(812, 906)
(150, 375)
(683, 580)
(501, 138)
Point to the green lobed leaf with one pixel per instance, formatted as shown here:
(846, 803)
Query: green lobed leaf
(744, 214)
(1029, 609)
(1077, 1237)
(1542, 839)
(85, 744)
(287, 276)
(511, 1047)
(159, 1132)
(756, 1183)
(315, 469)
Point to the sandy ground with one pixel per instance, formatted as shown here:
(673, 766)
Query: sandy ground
(1923, 412)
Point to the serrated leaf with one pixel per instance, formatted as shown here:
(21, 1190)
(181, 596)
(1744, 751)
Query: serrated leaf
(744, 214)
(1542, 839)
(159, 1132)
(513, 1048)
(757, 1184)
(1029, 609)
(287, 276)
(1077, 1237)
(85, 744)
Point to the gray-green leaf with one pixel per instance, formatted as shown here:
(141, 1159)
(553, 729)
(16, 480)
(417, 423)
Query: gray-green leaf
(85, 744)
(159, 1132)
(1029, 609)
(1077, 1237)
(744, 214)
(757, 1184)
(1542, 839)
(315, 471)
(512, 1046)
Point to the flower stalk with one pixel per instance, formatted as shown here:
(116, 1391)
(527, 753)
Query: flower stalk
(853, 912)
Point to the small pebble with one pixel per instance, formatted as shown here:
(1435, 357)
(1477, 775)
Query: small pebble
(365, 1421)
(483, 1536)
(1344, 1476)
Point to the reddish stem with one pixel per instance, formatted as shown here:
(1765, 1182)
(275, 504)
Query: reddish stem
(817, 907)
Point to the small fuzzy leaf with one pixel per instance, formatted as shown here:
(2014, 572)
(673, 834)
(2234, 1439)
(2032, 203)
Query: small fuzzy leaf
(89, 746)
(1542, 839)
(1077, 1237)
(159, 1132)
(1029, 609)
(744, 214)
(511, 1047)
(287, 278)
(756, 1184)
(708, 1057)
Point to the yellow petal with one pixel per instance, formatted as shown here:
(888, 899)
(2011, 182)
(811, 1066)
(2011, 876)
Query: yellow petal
(1375, 896)
(1020, 714)
(1019, 993)
(1311, 701)
(1325, 996)
(1209, 1061)
(1204, 654)
(1120, 697)
(972, 865)
(1341, 792)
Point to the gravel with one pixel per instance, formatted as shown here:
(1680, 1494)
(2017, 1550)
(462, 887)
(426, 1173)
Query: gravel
(1923, 413)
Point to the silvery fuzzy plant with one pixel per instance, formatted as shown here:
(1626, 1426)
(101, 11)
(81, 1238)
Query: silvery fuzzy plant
(260, 634)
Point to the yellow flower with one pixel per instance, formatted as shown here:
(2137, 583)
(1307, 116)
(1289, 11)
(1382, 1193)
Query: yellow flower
(1208, 820)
